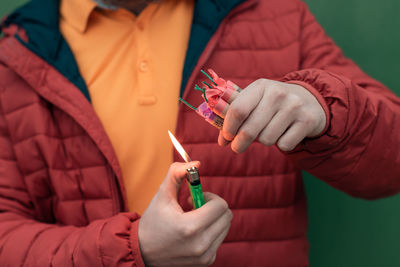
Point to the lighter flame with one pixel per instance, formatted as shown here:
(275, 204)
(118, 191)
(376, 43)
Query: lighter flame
(179, 147)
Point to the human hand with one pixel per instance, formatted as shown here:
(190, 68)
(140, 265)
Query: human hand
(170, 237)
(275, 113)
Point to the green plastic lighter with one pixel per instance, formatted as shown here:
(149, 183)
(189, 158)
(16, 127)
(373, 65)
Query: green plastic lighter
(196, 191)
(192, 175)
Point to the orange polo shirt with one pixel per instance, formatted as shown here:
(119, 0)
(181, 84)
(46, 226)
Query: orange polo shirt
(133, 67)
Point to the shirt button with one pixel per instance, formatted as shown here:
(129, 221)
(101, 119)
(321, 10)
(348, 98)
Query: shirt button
(143, 66)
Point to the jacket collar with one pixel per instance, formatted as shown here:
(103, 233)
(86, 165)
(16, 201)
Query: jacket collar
(40, 21)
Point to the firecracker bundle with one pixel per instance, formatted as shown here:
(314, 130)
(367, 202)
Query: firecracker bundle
(217, 94)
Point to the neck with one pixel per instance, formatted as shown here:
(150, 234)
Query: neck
(133, 6)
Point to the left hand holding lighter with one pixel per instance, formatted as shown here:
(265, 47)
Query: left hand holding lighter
(170, 237)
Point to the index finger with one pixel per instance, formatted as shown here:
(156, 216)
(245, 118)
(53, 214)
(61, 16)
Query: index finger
(241, 108)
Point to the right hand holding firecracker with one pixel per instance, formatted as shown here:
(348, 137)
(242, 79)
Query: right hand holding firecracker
(170, 237)
(274, 113)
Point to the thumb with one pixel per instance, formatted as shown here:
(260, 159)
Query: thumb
(176, 174)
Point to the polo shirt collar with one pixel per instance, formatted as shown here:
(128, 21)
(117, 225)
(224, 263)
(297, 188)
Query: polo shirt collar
(77, 12)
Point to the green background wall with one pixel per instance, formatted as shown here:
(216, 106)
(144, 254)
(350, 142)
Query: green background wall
(344, 231)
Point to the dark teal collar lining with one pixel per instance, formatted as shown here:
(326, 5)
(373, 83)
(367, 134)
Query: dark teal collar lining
(208, 15)
(40, 18)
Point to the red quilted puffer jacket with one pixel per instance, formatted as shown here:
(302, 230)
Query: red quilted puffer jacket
(62, 199)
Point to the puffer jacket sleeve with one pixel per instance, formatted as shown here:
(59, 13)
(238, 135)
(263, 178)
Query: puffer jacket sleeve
(27, 242)
(359, 151)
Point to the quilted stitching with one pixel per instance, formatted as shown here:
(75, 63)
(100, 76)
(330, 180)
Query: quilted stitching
(58, 166)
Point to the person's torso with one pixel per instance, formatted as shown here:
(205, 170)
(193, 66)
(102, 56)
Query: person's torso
(133, 66)
(73, 175)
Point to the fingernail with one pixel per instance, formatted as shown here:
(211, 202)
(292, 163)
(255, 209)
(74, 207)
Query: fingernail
(235, 149)
(222, 141)
(227, 136)
(195, 163)
(225, 142)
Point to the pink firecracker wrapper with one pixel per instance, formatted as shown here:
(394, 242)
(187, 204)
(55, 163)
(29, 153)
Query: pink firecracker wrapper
(228, 93)
(224, 85)
(221, 90)
(212, 118)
